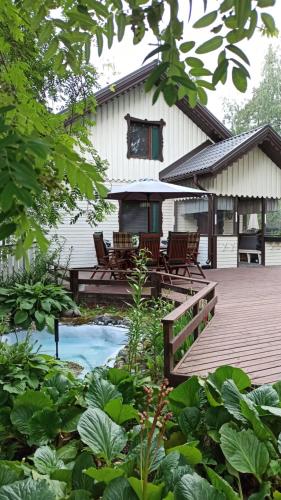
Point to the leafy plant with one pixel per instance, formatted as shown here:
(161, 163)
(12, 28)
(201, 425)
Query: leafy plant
(39, 304)
(136, 281)
(214, 437)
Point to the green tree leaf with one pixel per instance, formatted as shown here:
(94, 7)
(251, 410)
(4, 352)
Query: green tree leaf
(44, 426)
(244, 451)
(264, 395)
(212, 44)
(206, 20)
(186, 394)
(269, 22)
(24, 408)
(154, 491)
(239, 79)
(223, 373)
(105, 438)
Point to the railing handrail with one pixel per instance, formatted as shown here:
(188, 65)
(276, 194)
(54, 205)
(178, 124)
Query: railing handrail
(189, 303)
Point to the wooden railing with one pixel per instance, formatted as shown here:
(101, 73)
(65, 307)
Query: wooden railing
(201, 307)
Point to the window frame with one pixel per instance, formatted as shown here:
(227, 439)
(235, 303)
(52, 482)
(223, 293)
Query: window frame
(160, 123)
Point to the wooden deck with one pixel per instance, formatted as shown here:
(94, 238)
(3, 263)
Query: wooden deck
(246, 329)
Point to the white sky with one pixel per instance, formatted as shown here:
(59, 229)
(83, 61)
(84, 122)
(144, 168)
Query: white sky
(126, 57)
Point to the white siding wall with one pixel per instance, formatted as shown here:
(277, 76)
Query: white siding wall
(273, 253)
(109, 136)
(253, 175)
(227, 251)
(203, 250)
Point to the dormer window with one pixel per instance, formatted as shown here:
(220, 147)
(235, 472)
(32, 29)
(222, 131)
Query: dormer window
(145, 138)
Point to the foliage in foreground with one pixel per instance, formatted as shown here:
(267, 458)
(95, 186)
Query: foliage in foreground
(114, 436)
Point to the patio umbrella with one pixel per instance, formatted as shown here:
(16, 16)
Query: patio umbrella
(150, 190)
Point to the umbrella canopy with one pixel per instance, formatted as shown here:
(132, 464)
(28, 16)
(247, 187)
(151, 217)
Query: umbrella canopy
(152, 190)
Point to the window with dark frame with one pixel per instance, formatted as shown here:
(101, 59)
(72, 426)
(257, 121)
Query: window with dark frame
(144, 138)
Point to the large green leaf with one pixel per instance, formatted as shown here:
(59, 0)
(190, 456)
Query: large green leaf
(104, 474)
(172, 468)
(223, 373)
(69, 451)
(251, 414)
(44, 426)
(119, 489)
(25, 406)
(153, 492)
(264, 395)
(192, 455)
(221, 485)
(244, 451)
(105, 438)
(189, 419)
(120, 413)
(194, 487)
(8, 475)
(70, 418)
(27, 490)
(186, 394)
(100, 392)
(231, 398)
(46, 461)
(81, 481)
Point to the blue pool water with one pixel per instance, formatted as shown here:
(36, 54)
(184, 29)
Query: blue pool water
(89, 345)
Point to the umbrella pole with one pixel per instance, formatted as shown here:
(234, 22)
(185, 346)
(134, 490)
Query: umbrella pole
(148, 214)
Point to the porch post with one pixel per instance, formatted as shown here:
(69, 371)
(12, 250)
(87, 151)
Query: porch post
(212, 243)
(263, 222)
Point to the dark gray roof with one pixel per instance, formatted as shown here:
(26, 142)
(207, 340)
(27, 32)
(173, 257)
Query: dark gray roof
(209, 158)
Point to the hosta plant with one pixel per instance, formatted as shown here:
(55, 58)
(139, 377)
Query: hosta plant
(36, 304)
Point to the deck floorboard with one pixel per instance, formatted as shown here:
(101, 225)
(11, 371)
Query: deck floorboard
(246, 329)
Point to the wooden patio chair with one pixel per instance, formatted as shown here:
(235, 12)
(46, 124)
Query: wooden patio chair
(107, 262)
(151, 243)
(192, 254)
(176, 257)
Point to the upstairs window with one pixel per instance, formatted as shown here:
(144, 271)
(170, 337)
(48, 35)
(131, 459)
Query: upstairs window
(144, 138)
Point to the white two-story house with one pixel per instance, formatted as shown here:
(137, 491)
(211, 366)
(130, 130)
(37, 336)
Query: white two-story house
(241, 221)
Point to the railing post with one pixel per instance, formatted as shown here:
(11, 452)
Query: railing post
(74, 286)
(155, 285)
(168, 353)
(209, 297)
(195, 311)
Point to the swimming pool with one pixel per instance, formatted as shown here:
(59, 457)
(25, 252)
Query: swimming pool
(89, 345)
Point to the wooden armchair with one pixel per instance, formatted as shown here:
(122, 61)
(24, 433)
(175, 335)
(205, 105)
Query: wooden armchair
(176, 257)
(151, 243)
(106, 261)
(192, 254)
